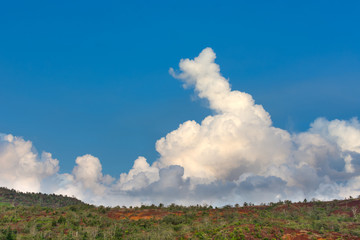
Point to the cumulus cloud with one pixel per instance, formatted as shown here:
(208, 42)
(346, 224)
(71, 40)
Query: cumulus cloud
(21, 167)
(86, 180)
(141, 175)
(233, 155)
(238, 139)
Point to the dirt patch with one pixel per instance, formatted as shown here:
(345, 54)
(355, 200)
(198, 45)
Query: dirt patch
(342, 212)
(141, 214)
(350, 203)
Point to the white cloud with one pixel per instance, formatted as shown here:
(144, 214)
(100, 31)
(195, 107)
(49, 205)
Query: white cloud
(21, 167)
(234, 155)
(346, 134)
(141, 175)
(86, 181)
(236, 140)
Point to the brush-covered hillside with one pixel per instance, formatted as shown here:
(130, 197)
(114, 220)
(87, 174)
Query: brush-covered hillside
(41, 216)
(12, 197)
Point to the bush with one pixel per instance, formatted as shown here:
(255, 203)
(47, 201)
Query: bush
(173, 219)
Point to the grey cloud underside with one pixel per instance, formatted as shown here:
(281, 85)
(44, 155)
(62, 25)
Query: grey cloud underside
(232, 156)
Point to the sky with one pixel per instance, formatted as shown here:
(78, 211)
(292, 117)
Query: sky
(89, 82)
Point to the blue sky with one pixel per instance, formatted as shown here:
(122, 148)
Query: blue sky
(86, 77)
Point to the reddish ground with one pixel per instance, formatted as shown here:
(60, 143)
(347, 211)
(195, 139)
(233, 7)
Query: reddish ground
(140, 214)
(265, 232)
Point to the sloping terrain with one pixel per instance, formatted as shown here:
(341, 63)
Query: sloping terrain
(15, 198)
(40, 216)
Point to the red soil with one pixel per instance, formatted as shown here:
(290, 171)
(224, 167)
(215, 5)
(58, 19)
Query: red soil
(141, 214)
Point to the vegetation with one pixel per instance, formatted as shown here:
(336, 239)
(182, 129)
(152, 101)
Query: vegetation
(49, 218)
(15, 198)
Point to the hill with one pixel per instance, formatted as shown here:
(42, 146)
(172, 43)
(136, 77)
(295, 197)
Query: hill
(16, 198)
(337, 219)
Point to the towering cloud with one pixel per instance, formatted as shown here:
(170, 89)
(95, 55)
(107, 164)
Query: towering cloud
(233, 155)
(238, 139)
